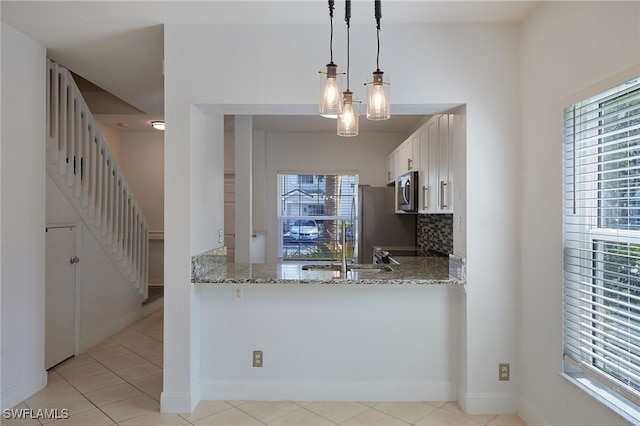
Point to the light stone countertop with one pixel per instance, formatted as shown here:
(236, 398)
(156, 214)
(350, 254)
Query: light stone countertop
(410, 271)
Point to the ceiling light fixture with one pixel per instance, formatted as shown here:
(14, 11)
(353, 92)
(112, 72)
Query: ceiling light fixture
(378, 105)
(158, 124)
(348, 117)
(330, 86)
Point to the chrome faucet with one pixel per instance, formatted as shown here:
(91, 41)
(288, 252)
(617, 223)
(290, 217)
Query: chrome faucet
(343, 263)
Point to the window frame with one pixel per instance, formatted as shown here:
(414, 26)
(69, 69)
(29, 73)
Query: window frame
(349, 217)
(584, 241)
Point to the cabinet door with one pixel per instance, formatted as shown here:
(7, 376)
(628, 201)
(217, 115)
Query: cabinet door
(424, 201)
(401, 160)
(433, 188)
(445, 175)
(390, 176)
(413, 152)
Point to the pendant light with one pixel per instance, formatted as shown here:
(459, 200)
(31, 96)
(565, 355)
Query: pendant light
(348, 117)
(378, 105)
(330, 82)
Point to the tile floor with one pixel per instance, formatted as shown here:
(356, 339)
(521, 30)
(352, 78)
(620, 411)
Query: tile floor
(119, 381)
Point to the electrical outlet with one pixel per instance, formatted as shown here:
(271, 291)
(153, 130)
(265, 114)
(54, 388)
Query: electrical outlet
(503, 372)
(257, 358)
(238, 295)
(220, 236)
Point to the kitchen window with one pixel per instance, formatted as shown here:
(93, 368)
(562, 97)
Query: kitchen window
(601, 331)
(311, 211)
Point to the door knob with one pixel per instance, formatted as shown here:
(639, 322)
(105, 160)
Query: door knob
(74, 259)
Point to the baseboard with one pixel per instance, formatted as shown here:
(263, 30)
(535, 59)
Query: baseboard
(23, 390)
(156, 283)
(328, 391)
(179, 402)
(488, 403)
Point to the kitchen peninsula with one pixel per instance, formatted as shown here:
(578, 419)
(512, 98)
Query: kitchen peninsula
(211, 268)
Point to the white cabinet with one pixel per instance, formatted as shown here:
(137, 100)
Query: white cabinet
(405, 158)
(390, 168)
(436, 171)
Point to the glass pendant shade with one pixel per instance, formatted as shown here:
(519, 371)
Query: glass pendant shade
(330, 90)
(378, 105)
(348, 118)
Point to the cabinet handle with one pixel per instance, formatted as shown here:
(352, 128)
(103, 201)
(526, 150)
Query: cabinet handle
(425, 197)
(443, 184)
(409, 163)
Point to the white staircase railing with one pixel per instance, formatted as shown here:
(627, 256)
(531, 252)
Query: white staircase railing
(81, 163)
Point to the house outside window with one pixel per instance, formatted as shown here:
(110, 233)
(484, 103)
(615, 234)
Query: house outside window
(601, 168)
(311, 212)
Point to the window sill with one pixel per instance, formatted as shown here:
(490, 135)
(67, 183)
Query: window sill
(622, 406)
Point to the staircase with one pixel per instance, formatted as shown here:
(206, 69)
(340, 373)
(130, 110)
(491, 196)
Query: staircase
(81, 164)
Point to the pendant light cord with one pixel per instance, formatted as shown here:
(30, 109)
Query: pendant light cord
(331, 7)
(347, 19)
(377, 4)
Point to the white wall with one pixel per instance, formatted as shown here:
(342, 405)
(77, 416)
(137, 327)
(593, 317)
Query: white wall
(372, 343)
(558, 68)
(474, 65)
(317, 152)
(23, 216)
(142, 163)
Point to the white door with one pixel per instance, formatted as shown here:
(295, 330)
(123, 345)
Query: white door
(60, 294)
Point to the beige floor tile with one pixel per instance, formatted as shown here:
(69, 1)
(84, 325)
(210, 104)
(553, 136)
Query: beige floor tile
(131, 407)
(299, 418)
(108, 343)
(455, 408)
(72, 372)
(137, 372)
(75, 361)
(97, 382)
(113, 394)
(337, 411)
(266, 411)
(507, 420)
(132, 339)
(443, 417)
(93, 417)
(230, 417)
(74, 404)
(206, 408)
(409, 412)
(50, 393)
(373, 417)
(155, 419)
(151, 385)
(123, 361)
(110, 352)
(53, 378)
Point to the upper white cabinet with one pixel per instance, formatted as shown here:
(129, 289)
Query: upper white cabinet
(390, 168)
(436, 172)
(405, 158)
(429, 150)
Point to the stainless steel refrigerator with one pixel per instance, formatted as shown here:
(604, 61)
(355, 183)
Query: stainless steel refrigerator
(378, 223)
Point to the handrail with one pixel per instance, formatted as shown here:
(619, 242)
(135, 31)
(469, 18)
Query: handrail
(81, 163)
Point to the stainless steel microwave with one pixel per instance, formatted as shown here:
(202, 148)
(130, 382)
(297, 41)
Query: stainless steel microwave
(407, 193)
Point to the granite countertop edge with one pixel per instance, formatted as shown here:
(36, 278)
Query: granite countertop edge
(330, 282)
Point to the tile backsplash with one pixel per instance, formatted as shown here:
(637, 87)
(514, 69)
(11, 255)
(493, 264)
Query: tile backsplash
(435, 233)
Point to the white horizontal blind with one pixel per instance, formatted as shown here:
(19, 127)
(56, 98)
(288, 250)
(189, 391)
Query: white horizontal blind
(326, 199)
(602, 241)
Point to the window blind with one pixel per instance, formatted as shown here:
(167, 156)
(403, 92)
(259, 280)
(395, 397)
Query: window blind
(601, 282)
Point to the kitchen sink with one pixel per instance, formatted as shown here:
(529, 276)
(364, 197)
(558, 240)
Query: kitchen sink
(350, 267)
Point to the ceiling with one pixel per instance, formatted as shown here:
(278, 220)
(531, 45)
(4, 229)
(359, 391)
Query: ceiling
(117, 46)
